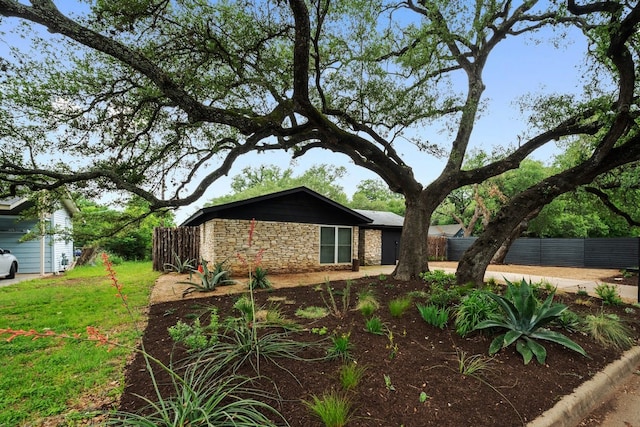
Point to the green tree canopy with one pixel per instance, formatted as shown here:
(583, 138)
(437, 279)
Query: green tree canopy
(159, 98)
(127, 233)
(373, 194)
(260, 180)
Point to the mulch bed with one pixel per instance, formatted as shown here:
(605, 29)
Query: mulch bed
(627, 279)
(510, 394)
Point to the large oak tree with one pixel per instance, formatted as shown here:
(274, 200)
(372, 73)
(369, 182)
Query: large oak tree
(145, 96)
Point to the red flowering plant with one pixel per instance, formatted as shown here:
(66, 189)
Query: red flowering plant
(92, 333)
(201, 396)
(252, 261)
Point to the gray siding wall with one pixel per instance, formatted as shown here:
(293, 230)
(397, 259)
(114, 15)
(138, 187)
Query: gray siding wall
(28, 252)
(62, 249)
(590, 253)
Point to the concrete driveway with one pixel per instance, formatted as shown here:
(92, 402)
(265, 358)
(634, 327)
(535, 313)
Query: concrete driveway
(20, 277)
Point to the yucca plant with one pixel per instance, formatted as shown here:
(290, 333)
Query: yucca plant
(524, 317)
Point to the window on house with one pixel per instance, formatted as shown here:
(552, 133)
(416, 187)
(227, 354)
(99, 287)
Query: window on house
(335, 245)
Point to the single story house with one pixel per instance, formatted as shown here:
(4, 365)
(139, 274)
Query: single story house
(44, 254)
(448, 230)
(295, 230)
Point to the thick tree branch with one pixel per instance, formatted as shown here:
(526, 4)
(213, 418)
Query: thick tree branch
(606, 200)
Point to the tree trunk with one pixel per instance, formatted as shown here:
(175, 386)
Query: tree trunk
(501, 253)
(476, 258)
(414, 251)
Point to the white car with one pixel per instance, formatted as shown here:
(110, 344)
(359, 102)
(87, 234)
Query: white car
(8, 264)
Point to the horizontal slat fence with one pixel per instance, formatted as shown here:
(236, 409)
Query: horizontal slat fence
(183, 242)
(590, 253)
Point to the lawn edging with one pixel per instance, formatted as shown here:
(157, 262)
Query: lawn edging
(573, 408)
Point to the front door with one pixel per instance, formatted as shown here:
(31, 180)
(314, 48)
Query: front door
(390, 246)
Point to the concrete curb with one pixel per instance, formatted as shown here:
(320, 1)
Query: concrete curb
(575, 407)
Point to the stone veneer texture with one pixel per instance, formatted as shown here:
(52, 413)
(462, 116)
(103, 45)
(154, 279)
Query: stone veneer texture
(281, 247)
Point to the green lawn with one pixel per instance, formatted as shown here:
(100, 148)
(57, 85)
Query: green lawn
(51, 376)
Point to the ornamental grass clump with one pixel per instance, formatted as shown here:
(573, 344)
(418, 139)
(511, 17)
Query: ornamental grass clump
(608, 330)
(332, 408)
(374, 325)
(350, 375)
(524, 318)
(399, 306)
(367, 303)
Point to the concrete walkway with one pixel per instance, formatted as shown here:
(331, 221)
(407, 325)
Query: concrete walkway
(20, 277)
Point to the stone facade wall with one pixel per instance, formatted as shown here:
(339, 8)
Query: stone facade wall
(281, 247)
(371, 247)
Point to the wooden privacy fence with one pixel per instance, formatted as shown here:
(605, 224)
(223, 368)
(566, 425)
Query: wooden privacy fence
(437, 246)
(183, 242)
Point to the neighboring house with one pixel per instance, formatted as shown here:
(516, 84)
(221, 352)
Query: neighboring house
(46, 254)
(449, 230)
(295, 230)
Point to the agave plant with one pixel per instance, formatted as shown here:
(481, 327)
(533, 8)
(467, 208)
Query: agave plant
(209, 279)
(180, 266)
(524, 317)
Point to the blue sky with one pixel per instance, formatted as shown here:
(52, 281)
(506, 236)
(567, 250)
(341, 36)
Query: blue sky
(518, 67)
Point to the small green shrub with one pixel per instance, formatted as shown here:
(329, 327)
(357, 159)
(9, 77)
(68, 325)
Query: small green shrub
(609, 294)
(439, 277)
(434, 315)
(608, 330)
(475, 307)
(443, 297)
(375, 326)
(196, 337)
(398, 306)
